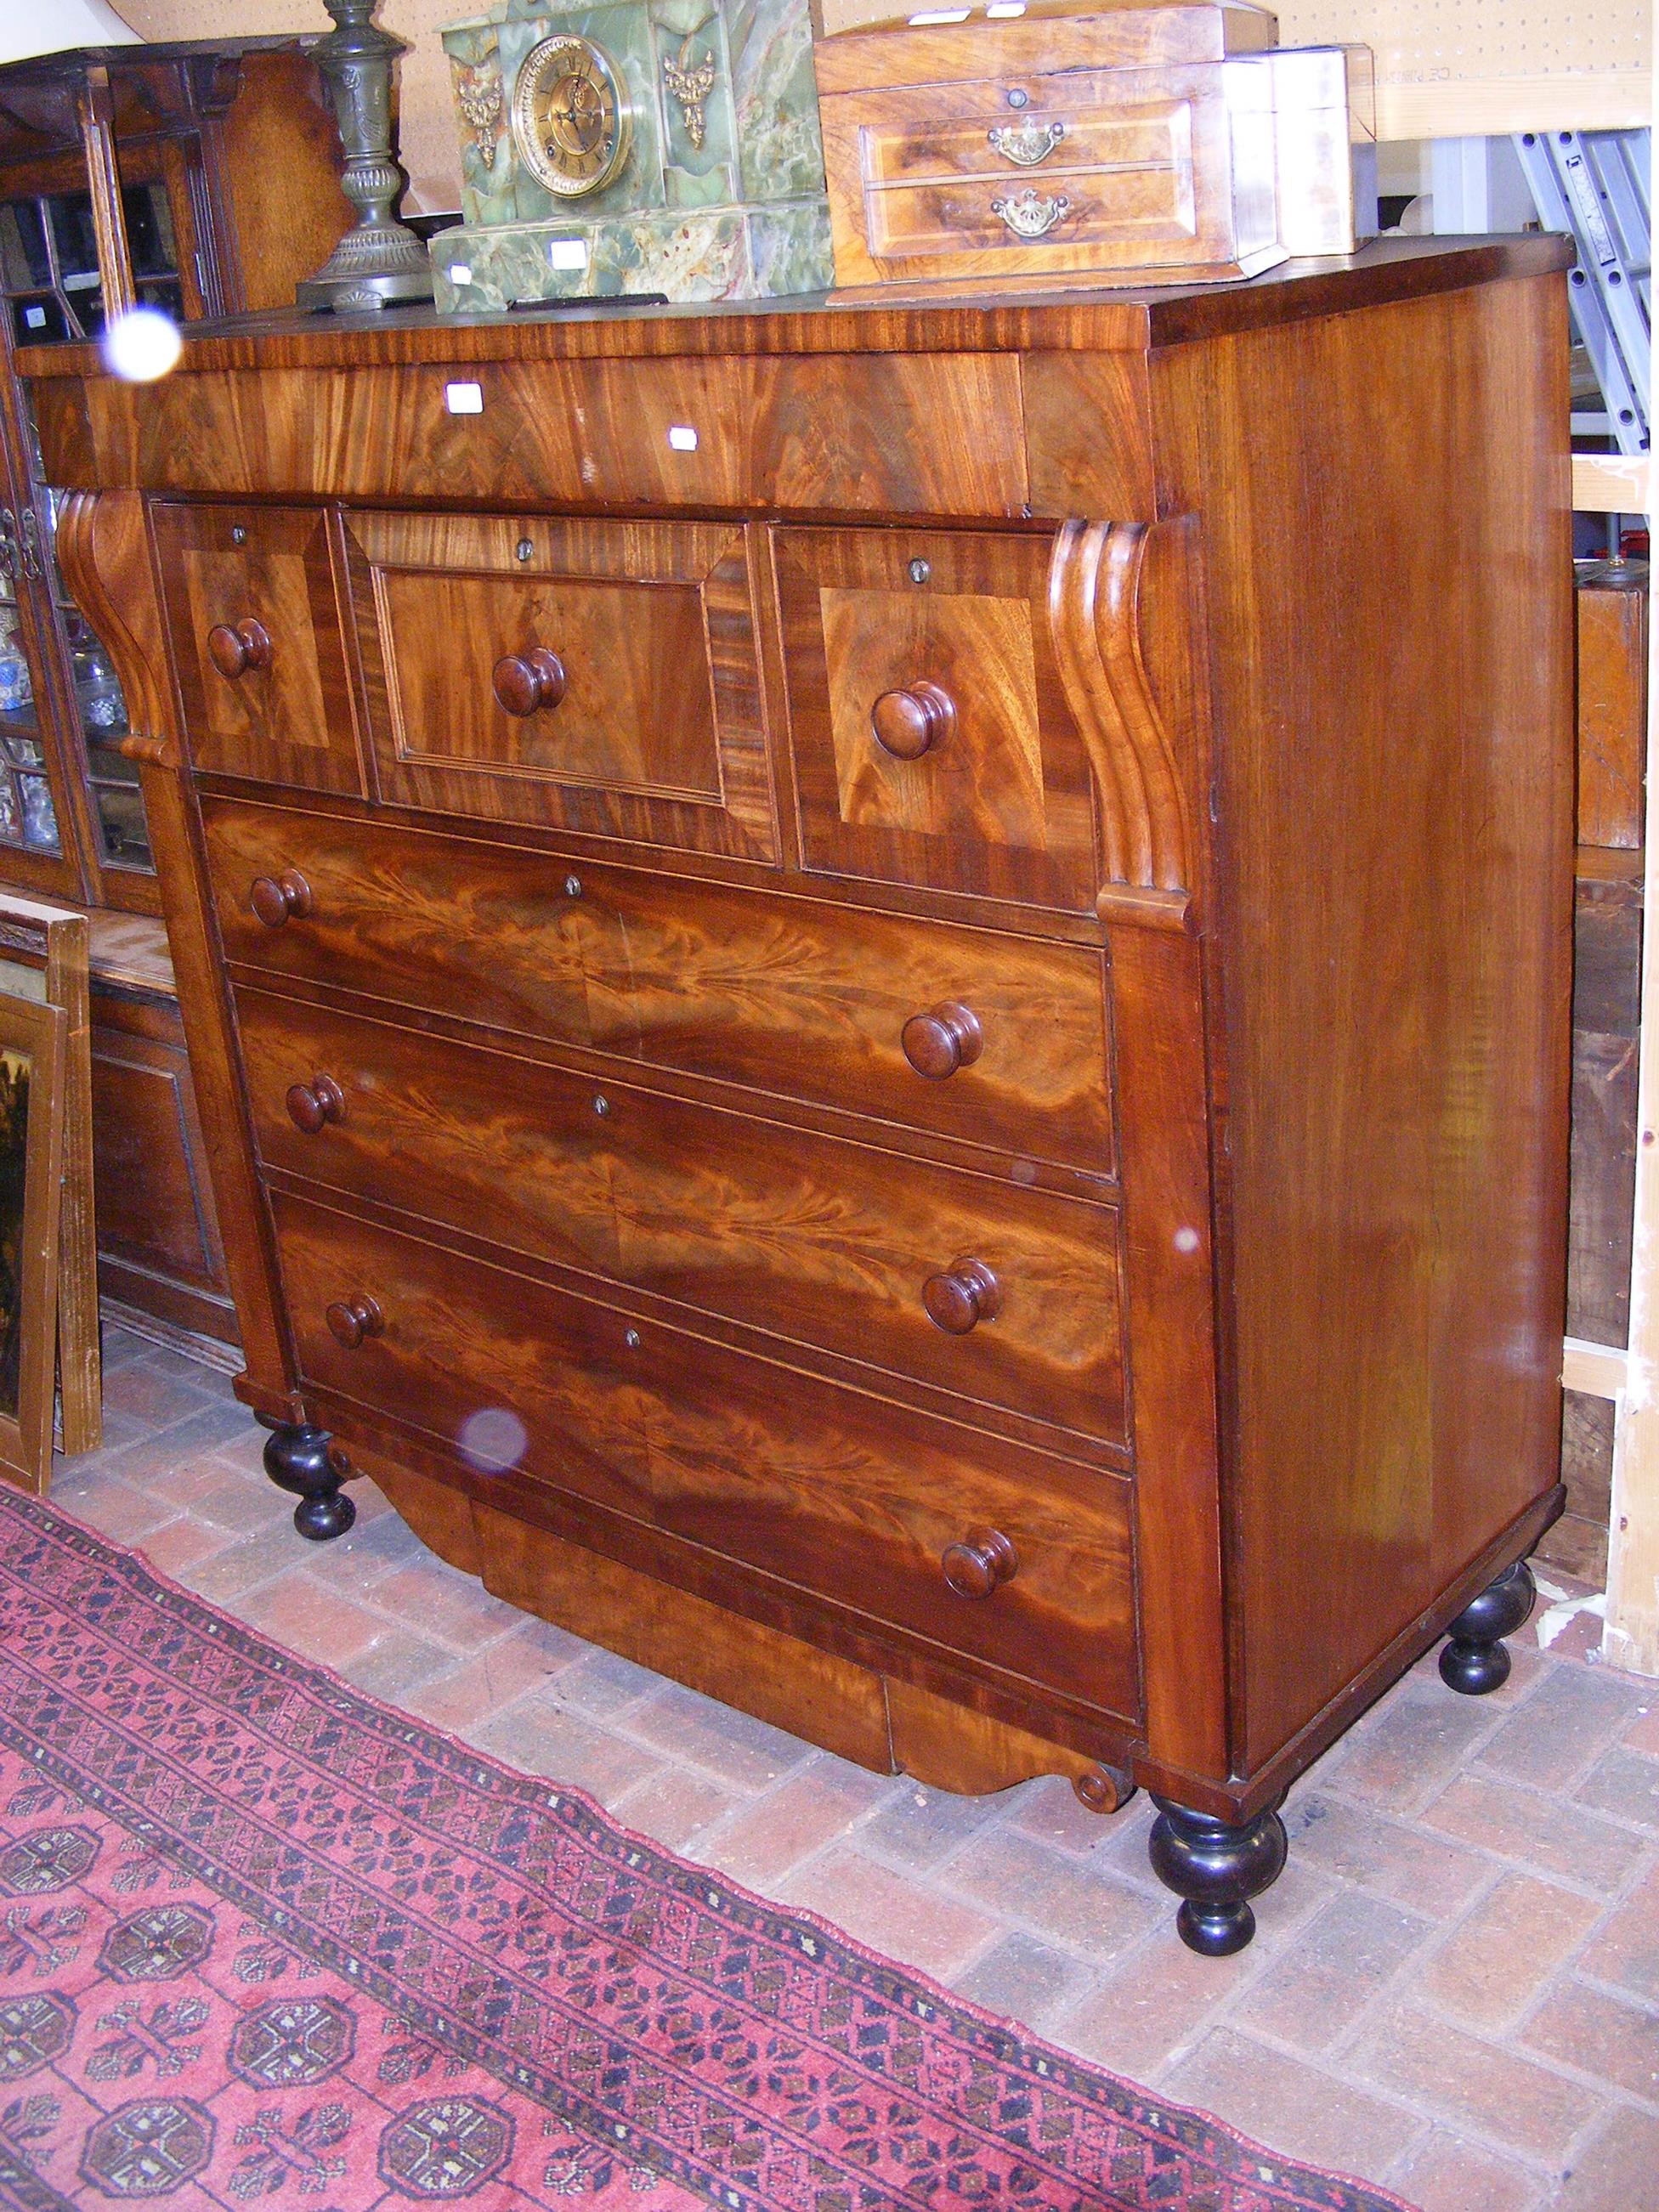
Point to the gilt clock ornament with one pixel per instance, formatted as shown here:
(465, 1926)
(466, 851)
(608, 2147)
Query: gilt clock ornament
(637, 146)
(572, 116)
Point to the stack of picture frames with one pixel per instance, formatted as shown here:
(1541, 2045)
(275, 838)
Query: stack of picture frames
(49, 1347)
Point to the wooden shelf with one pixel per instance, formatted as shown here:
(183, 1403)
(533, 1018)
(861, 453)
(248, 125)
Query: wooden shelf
(1609, 484)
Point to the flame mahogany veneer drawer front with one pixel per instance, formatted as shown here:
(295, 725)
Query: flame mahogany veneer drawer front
(994, 1039)
(932, 740)
(864, 434)
(253, 608)
(1002, 1555)
(600, 677)
(993, 1292)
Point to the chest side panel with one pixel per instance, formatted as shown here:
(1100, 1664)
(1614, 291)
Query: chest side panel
(1394, 787)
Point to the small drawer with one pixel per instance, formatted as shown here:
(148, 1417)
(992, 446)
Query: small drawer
(1001, 1555)
(932, 740)
(254, 619)
(963, 1033)
(1062, 132)
(976, 1286)
(1070, 207)
(591, 676)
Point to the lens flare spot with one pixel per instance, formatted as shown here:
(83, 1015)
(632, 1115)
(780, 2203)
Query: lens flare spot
(493, 1440)
(142, 345)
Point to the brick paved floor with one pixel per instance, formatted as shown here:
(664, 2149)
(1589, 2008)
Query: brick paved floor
(1456, 1986)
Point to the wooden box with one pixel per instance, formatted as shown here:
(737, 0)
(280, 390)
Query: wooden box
(1155, 145)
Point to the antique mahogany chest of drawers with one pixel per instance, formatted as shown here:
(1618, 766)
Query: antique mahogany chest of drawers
(880, 994)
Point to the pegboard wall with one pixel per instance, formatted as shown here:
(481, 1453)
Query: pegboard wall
(1425, 43)
(1428, 41)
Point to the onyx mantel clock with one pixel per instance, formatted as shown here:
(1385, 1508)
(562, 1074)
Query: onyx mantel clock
(638, 146)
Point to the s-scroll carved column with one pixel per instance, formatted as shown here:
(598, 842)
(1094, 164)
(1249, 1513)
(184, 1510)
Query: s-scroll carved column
(1119, 611)
(1125, 613)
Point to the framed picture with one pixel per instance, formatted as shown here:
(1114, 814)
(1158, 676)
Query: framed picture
(44, 954)
(31, 1036)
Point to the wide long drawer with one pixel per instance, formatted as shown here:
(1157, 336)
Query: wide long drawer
(972, 1283)
(965, 1033)
(1015, 1560)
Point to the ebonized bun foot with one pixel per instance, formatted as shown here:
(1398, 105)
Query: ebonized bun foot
(1473, 1659)
(302, 1459)
(1214, 1868)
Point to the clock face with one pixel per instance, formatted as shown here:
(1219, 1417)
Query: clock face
(571, 115)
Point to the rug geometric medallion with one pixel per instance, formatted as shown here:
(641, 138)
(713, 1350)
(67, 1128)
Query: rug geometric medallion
(265, 1943)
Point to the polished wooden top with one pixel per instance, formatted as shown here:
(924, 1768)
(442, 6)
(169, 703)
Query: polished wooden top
(1041, 318)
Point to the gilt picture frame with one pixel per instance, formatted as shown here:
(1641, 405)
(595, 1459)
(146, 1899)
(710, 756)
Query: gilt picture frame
(45, 953)
(32, 1118)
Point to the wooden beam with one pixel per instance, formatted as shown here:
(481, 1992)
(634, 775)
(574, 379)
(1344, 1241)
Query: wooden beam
(1630, 1636)
(1609, 484)
(1493, 107)
(1598, 1369)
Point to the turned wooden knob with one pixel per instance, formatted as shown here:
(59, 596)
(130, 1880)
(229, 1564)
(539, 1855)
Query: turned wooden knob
(983, 1560)
(524, 682)
(235, 649)
(966, 1294)
(911, 722)
(274, 898)
(942, 1040)
(350, 1320)
(312, 1106)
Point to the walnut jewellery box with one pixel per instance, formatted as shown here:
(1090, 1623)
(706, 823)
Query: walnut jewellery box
(879, 990)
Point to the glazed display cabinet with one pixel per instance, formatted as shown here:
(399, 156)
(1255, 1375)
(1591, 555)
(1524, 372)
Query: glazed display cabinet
(200, 181)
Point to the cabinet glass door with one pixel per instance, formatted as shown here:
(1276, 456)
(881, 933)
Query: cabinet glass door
(100, 712)
(27, 818)
(49, 269)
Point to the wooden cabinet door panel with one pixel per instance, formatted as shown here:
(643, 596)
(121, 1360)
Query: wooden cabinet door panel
(155, 1212)
(793, 995)
(839, 1493)
(798, 1236)
(595, 676)
(930, 736)
(257, 643)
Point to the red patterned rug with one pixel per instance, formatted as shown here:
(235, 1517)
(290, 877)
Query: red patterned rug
(267, 1944)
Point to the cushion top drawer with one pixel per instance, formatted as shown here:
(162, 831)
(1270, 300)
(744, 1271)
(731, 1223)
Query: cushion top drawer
(927, 716)
(992, 1553)
(974, 1285)
(594, 676)
(966, 1033)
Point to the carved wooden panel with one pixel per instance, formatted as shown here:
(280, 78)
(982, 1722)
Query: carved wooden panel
(255, 626)
(835, 1245)
(930, 730)
(1121, 607)
(783, 994)
(829, 1490)
(592, 676)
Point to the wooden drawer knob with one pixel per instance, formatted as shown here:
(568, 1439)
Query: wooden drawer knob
(911, 722)
(944, 1039)
(312, 1106)
(981, 1562)
(524, 682)
(966, 1294)
(234, 649)
(274, 898)
(350, 1320)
